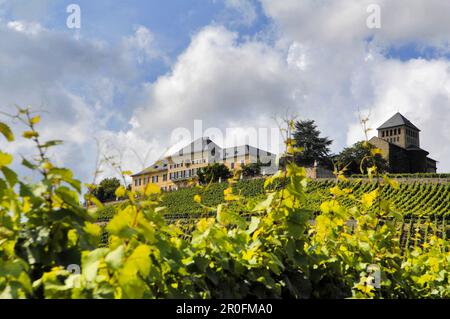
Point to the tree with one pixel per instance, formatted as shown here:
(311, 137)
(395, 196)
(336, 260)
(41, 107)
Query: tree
(251, 170)
(213, 173)
(105, 191)
(353, 156)
(315, 148)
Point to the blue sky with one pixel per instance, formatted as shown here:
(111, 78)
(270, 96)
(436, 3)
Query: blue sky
(138, 70)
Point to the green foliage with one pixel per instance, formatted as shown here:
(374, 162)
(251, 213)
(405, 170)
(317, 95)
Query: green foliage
(251, 170)
(43, 227)
(314, 147)
(359, 157)
(105, 191)
(213, 173)
(273, 247)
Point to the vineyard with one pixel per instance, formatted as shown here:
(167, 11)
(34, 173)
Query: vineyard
(282, 237)
(418, 199)
(421, 204)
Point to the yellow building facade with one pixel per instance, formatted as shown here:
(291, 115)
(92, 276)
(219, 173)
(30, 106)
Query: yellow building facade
(176, 170)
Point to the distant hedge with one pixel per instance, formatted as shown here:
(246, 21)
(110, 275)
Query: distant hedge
(412, 176)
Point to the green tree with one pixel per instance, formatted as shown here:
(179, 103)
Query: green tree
(105, 191)
(359, 156)
(251, 170)
(212, 173)
(315, 147)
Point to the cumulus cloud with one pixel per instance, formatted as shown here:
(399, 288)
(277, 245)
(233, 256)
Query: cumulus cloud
(73, 82)
(420, 90)
(325, 65)
(322, 62)
(222, 82)
(344, 21)
(345, 67)
(143, 46)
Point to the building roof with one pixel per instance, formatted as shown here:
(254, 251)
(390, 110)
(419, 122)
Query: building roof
(243, 150)
(201, 144)
(159, 166)
(397, 120)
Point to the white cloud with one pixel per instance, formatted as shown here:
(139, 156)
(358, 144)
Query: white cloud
(321, 66)
(31, 28)
(342, 71)
(420, 90)
(344, 21)
(142, 45)
(245, 9)
(72, 81)
(222, 82)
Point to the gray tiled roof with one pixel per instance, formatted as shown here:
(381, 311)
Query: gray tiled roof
(159, 166)
(202, 144)
(397, 120)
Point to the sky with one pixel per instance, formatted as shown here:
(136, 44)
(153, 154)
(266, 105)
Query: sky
(136, 71)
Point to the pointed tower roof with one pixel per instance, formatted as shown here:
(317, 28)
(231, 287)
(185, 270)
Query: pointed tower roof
(397, 120)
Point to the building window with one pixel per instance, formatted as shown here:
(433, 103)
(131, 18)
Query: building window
(164, 177)
(135, 182)
(382, 134)
(232, 165)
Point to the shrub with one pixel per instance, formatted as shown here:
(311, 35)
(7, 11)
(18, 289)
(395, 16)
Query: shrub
(213, 173)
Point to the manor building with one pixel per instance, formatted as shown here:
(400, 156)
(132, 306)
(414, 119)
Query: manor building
(178, 169)
(399, 139)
